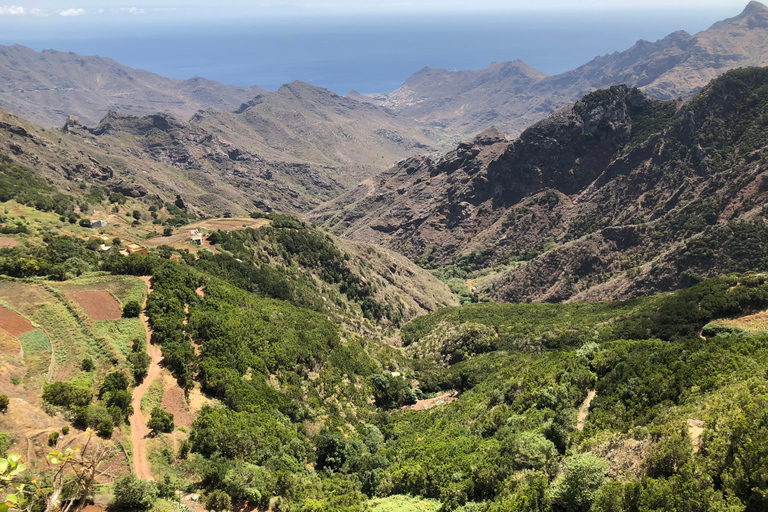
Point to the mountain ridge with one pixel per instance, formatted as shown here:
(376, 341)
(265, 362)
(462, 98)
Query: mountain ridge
(602, 200)
(677, 65)
(49, 86)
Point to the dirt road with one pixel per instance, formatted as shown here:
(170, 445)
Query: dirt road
(584, 410)
(139, 429)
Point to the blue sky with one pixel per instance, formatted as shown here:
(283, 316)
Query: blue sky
(201, 9)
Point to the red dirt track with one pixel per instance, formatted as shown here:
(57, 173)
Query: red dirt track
(13, 323)
(99, 305)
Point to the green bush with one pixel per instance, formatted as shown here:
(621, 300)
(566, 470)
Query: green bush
(575, 491)
(160, 421)
(130, 493)
(131, 309)
(66, 394)
(218, 500)
(114, 381)
(4, 401)
(87, 365)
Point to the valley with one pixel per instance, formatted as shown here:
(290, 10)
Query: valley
(296, 301)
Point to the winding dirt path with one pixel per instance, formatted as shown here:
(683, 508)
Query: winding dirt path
(52, 364)
(584, 410)
(139, 429)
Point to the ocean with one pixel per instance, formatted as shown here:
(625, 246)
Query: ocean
(367, 54)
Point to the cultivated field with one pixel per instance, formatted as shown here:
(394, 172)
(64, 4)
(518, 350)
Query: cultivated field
(99, 304)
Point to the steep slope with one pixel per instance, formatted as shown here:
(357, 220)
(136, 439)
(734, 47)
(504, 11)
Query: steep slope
(615, 196)
(49, 86)
(286, 151)
(513, 96)
(300, 123)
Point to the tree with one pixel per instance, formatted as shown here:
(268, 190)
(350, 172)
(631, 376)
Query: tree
(160, 421)
(136, 214)
(132, 309)
(577, 488)
(218, 500)
(4, 401)
(87, 365)
(390, 392)
(85, 223)
(115, 381)
(133, 494)
(140, 362)
(168, 231)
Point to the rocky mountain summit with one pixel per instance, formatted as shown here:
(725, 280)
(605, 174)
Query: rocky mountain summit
(513, 95)
(611, 197)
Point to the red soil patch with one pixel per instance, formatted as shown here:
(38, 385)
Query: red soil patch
(441, 399)
(13, 323)
(175, 403)
(99, 305)
(7, 242)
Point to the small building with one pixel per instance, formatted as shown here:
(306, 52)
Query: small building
(196, 237)
(98, 223)
(106, 249)
(136, 249)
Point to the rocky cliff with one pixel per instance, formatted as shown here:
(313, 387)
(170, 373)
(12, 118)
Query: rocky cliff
(604, 199)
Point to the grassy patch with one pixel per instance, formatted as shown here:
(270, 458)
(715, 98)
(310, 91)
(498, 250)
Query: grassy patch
(35, 342)
(402, 503)
(122, 332)
(154, 395)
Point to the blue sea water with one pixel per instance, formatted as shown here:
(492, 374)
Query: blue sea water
(367, 54)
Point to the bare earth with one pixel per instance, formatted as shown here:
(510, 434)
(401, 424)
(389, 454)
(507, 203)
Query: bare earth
(9, 344)
(7, 242)
(13, 323)
(695, 429)
(139, 429)
(584, 410)
(99, 305)
(441, 399)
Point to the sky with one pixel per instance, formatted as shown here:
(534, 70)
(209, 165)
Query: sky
(204, 9)
(367, 45)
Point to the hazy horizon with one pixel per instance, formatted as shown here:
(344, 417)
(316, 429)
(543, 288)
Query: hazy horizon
(354, 51)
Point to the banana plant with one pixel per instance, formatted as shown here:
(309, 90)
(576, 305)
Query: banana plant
(9, 469)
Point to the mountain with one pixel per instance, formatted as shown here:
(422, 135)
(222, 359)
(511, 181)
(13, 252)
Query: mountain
(49, 86)
(616, 196)
(288, 151)
(513, 96)
(303, 124)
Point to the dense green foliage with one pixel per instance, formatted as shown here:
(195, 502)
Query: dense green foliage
(133, 494)
(28, 189)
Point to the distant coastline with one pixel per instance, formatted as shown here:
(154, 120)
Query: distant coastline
(365, 54)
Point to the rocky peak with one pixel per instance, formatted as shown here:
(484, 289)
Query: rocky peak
(753, 8)
(489, 136)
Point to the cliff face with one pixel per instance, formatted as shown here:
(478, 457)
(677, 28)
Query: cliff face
(513, 96)
(603, 199)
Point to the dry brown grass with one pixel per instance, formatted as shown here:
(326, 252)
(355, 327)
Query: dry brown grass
(750, 323)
